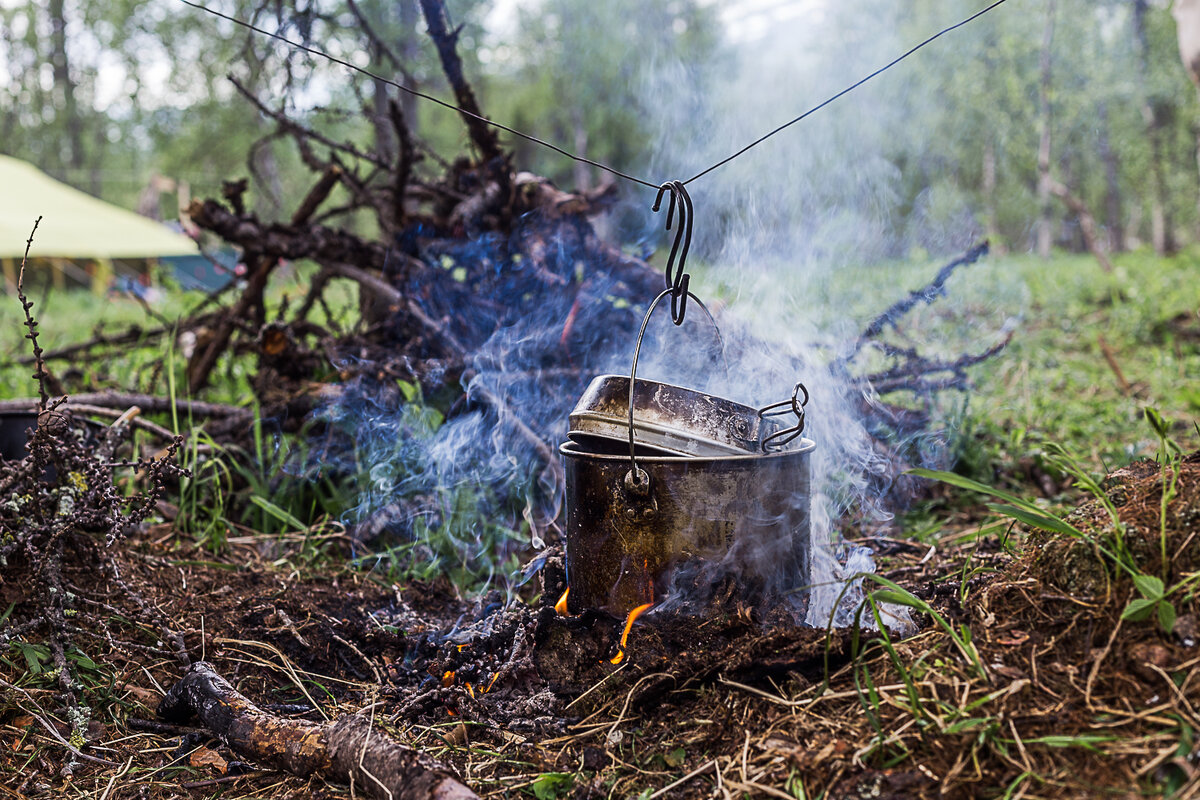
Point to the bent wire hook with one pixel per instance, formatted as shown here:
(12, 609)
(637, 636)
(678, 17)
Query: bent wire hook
(677, 278)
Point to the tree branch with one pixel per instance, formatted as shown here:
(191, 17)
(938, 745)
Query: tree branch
(482, 135)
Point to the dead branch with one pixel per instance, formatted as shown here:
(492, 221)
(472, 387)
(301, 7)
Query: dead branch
(133, 335)
(1110, 357)
(317, 242)
(392, 296)
(1087, 223)
(405, 159)
(446, 42)
(346, 750)
(918, 369)
(148, 403)
(251, 301)
(290, 126)
(926, 294)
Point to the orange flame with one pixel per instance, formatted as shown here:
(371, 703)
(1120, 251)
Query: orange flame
(561, 605)
(448, 678)
(633, 615)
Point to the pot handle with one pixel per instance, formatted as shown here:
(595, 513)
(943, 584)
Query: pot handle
(637, 480)
(779, 439)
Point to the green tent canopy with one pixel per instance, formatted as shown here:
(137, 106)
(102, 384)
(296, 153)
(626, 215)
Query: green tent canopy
(74, 225)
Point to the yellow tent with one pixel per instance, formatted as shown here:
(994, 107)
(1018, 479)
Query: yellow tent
(75, 225)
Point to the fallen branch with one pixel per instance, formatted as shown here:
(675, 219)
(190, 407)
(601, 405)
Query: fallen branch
(1111, 357)
(1087, 223)
(345, 750)
(933, 290)
(151, 404)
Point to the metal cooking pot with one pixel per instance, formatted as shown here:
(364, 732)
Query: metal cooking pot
(658, 476)
(624, 537)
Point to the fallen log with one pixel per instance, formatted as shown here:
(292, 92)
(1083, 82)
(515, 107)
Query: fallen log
(345, 750)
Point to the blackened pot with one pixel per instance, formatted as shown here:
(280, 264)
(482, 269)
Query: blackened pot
(626, 538)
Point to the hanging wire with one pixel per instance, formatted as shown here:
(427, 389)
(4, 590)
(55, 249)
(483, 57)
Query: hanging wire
(416, 93)
(530, 138)
(845, 91)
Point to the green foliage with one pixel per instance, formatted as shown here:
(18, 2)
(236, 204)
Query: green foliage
(1154, 593)
(577, 73)
(553, 785)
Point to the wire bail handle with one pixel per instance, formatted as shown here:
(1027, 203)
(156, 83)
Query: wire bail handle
(637, 480)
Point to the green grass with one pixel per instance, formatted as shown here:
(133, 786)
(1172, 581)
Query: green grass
(1053, 382)
(70, 316)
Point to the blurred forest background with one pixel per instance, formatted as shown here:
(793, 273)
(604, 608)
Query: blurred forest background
(1041, 117)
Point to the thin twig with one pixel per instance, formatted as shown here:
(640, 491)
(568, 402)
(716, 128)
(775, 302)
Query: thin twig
(30, 709)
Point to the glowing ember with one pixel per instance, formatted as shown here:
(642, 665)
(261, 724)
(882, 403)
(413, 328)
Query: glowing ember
(561, 605)
(448, 678)
(633, 615)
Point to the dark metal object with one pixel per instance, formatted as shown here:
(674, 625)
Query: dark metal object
(16, 427)
(779, 439)
(677, 283)
(626, 538)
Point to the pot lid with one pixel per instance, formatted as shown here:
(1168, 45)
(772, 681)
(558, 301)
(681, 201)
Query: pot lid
(667, 417)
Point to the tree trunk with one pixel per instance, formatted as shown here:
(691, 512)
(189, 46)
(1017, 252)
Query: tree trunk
(385, 139)
(991, 216)
(1113, 201)
(1161, 223)
(410, 53)
(1045, 229)
(1187, 29)
(64, 87)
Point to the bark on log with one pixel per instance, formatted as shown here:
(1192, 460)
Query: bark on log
(346, 750)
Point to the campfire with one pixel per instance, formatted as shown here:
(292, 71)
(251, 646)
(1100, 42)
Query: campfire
(491, 294)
